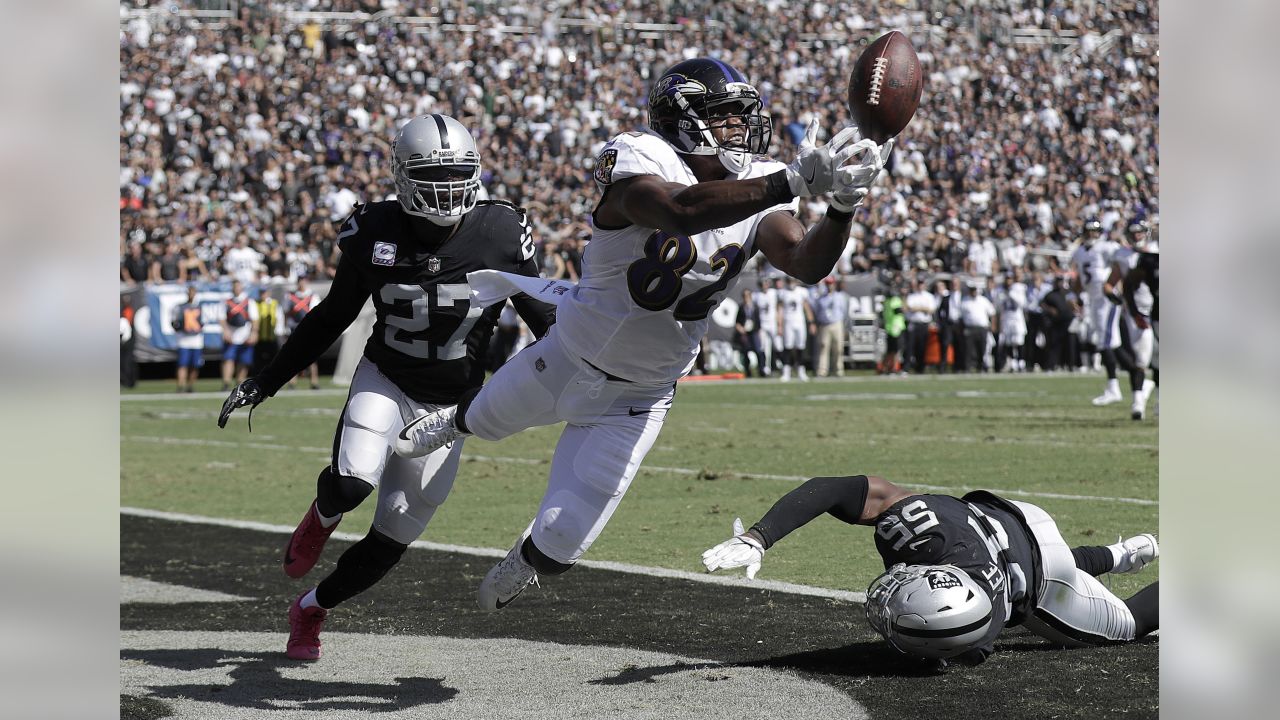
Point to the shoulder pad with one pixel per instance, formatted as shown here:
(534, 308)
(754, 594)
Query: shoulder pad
(635, 153)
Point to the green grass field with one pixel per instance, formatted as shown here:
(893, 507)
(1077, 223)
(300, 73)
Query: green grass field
(728, 449)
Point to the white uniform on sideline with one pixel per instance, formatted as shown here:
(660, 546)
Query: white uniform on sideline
(623, 337)
(768, 340)
(795, 324)
(1093, 265)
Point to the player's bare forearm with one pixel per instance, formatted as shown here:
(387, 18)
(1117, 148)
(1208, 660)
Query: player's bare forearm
(805, 255)
(690, 209)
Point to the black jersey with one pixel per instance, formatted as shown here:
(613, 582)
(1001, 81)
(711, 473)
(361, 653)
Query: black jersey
(944, 530)
(427, 339)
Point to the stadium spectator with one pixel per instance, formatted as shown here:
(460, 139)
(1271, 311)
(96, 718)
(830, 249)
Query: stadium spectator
(239, 335)
(979, 317)
(894, 324)
(134, 267)
(266, 128)
(830, 313)
(297, 304)
(188, 325)
(1059, 312)
(270, 327)
(920, 307)
(128, 363)
(744, 335)
(948, 324)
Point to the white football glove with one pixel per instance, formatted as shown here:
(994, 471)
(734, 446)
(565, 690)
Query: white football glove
(853, 182)
(814, 170)
(739, 550)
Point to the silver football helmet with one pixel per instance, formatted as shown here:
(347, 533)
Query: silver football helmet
(436, 168)
(931, 611)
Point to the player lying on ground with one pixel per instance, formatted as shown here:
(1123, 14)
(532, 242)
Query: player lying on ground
(959, 570)
(427, 348)
(681, 210)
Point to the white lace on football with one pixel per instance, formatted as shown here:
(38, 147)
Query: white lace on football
(878, 68)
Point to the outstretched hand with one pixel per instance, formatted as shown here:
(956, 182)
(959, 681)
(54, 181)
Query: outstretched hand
(738, 551)
(246, 393)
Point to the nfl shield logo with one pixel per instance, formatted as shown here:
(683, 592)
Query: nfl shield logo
(433, 264)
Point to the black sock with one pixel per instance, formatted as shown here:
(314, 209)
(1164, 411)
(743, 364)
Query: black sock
(359, 568)
(1094, 559)
(1137, 377)
(1109, 362)
(1145, 606)
(464, 403)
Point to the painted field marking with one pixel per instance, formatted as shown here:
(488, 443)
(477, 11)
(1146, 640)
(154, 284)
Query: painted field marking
(644, 468)
(727, 580)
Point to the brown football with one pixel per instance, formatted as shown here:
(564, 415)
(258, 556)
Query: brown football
(884, 89)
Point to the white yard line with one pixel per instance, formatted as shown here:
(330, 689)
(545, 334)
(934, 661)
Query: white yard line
(643, 468)
(729, 580)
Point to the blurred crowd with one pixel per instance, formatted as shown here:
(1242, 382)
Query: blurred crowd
(243, 142)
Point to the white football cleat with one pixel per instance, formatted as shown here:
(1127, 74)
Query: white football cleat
(804, 376)
(1139, 551)
(1108, 398)
(786, 373)
(506, 580)
(429, 433)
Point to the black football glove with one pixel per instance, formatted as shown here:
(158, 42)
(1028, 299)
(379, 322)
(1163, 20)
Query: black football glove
(246, 393)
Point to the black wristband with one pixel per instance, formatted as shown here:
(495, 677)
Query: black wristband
(777, 187)
(839, 215)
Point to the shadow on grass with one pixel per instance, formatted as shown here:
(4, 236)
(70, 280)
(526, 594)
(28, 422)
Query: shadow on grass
(257, 683)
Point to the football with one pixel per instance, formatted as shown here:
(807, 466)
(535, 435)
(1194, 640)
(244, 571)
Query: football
(884, 89)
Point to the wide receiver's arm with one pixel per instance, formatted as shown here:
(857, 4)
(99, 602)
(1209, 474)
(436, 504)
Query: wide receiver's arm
(805, 255)
(857, 500)
(649, 201)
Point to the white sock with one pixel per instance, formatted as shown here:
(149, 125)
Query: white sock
(328, 521)
(309, 600)
(1147, 386)
(1117, 553)
(1113, 386)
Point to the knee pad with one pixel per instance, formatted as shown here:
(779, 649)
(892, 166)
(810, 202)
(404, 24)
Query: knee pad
(339, 493)
(539, 560)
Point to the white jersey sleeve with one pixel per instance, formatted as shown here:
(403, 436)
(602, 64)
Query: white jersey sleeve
(634, 153)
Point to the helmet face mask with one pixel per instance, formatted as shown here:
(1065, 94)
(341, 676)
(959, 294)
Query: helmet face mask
(704, 107)
(436, 168)
(930, 611)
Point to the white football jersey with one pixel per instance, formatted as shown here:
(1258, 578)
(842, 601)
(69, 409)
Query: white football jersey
(642, 303)
(767, 302)
(1093, 264)
(792, 301)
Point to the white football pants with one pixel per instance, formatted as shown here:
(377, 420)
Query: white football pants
(795, 335)
(1073, 608)
(409, 489)
(1104, 323)
(609, 427)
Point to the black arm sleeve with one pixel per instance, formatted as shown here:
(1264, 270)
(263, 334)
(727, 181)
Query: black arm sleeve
(539, 316)
(843, 497)
(318, 330)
